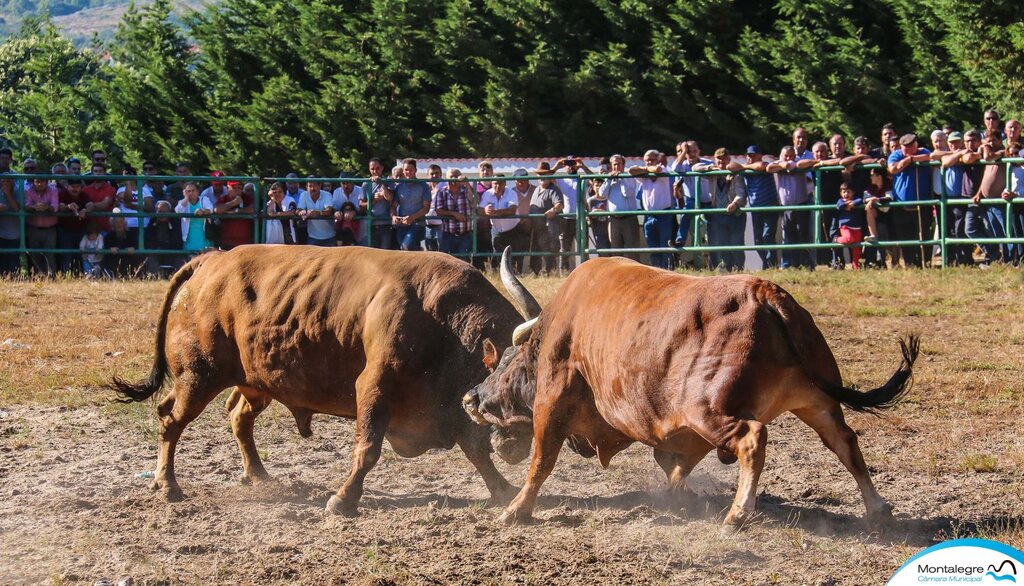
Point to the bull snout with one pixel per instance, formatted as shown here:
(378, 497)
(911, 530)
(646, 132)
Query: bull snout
(471, 403)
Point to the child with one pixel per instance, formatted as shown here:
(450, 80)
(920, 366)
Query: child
(851, 222)
(92, 241)
(877, 200)
(346, 226)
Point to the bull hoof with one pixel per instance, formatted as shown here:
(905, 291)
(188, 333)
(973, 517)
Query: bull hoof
(737, 521)
(336, 506)
(502, 496)
(249, 479)
(512, 517)
(171, 494)
(880, 517)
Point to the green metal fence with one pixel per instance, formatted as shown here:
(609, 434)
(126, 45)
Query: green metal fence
(943, 203)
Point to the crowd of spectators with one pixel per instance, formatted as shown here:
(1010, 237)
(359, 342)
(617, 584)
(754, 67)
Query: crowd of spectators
(537, 215)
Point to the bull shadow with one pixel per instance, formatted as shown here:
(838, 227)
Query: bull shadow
(659, 508)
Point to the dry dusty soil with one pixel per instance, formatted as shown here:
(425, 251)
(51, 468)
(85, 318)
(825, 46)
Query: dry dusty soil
(73, 509)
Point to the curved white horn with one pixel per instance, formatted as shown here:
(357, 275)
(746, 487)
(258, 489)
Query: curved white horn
(522, 331)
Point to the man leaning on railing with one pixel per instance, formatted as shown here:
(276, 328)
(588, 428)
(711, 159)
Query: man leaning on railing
(911, 183)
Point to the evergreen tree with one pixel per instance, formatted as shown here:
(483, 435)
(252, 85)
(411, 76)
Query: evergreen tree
(154, 105)
(48, 108)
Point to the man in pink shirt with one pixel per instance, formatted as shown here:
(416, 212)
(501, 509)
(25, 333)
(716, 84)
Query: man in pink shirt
(41, 202)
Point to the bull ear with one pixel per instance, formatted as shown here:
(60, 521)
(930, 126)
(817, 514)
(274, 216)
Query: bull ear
(490, 355)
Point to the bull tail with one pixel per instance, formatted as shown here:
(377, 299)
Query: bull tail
(128, 392)
(800, 331)
(885, 396)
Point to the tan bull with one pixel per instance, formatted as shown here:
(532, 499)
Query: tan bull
(627, 353)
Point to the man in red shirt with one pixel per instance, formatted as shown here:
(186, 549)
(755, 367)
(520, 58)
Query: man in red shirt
(235, 201)
(100, 194)
(70, 229)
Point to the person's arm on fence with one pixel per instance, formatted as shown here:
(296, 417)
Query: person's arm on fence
(852, 160)
(739, 199)
(954, 157)
(9, 202)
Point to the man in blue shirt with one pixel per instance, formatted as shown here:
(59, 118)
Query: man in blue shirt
(685, 188)
(761, 192)
(410, 204)
(911, 183)
(375, 200)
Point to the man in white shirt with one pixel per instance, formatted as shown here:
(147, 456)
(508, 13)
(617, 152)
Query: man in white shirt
(570, 193)
(619, 191)
(496, 203)
(317, 208)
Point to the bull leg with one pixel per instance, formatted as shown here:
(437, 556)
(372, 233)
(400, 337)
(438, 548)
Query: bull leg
(475, 443)
(179, 408)
(832, 429)
(550, 423)
(371, 424)
(747, 440)
(680, 456)
(244, 405)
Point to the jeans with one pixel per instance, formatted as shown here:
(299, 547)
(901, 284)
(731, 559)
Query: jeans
(913, 224)
(685, 220)
(566, 243)
(830, 231)
(70, 238)
(42, 262)
(960, 254)
(975, 226)
(410, 237)
(1017, 227)
(543, 238)
(432, 238)
(322, 242)
(796, 229)
(727, 230)
(382, 236)
(457, 243)
(600, 230)
(766, 225)
(10, 263)
(657, 231)
(996, 215)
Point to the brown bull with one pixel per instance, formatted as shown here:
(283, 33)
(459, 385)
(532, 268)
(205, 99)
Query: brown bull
(390, 339)
(684, 364)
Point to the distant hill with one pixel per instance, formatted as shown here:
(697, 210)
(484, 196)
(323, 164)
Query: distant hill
(80, 19)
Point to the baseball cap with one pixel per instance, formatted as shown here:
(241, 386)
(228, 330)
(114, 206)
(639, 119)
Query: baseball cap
(908, 139)
(722, 152)
(754, 150)
(955, 136)
(217, 174)
(234, 183)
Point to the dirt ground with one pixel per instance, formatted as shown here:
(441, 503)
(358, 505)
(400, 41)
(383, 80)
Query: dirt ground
(73, 508)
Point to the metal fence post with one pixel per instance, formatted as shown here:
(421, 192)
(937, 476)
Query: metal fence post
(817, 217)
(942, 218)
(581, 223)
(473, 201)
(695, 217)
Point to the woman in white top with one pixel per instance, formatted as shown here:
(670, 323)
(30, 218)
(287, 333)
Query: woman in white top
(280, 211)
(193, 230)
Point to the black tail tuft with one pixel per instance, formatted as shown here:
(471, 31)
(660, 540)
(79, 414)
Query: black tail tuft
(887, 395)
(142, 390)
(134, 393)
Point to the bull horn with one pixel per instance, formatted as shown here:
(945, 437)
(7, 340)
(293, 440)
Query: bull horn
(522, 332)
(521, 297)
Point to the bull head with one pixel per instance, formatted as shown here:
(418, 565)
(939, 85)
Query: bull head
(505, 398)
